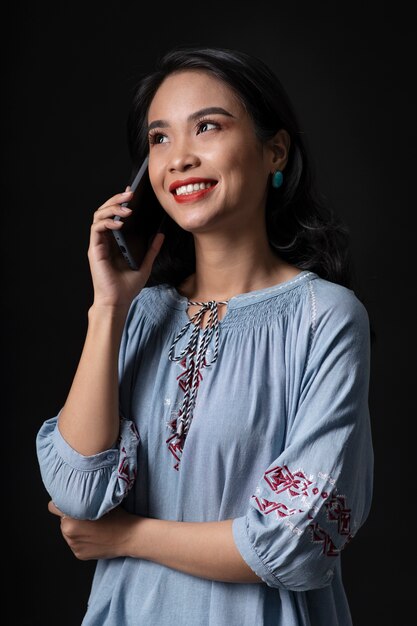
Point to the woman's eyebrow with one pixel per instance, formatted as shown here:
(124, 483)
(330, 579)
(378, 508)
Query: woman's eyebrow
(209, 111)
(192, 117)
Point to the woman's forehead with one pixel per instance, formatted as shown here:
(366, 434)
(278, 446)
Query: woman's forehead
(189, 91)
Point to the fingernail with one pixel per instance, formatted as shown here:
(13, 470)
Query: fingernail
(125, 194)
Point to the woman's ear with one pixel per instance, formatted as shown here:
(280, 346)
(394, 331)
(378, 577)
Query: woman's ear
(279, 147)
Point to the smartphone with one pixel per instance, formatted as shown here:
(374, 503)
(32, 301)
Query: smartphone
(141, 226)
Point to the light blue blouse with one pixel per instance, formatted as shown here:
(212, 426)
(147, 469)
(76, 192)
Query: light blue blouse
(280, 442)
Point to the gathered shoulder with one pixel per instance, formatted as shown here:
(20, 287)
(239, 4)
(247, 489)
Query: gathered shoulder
(331, 301)
(150, 307)
(147, 296)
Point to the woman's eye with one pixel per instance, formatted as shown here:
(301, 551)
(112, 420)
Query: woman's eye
(156, 138)
(205, 126)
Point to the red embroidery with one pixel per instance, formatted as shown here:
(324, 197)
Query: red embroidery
(175, 446)
(265, 506)
(318, 535)
(124, 472)
(337, 511)
(185, 378)
(296, 484)
(281, 479)
(132, 428)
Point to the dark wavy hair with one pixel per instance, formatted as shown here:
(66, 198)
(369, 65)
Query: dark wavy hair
(301, 229)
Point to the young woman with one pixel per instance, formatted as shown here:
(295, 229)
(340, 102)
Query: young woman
(214, 452)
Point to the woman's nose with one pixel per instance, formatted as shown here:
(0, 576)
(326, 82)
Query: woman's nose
(183, 159)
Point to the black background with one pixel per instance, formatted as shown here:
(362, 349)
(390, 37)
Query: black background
(68, 72)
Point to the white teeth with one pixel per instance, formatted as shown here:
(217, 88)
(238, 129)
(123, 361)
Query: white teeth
(187, 189)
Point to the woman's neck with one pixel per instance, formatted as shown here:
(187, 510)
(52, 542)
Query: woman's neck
(226, 268)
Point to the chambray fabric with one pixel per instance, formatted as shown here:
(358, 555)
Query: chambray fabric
(280, 442)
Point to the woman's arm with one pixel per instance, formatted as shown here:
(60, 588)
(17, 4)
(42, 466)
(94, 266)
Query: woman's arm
(203, 549)
(89, 420)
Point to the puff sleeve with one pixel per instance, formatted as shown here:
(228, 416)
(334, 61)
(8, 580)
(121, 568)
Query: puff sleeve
(86, 487)
(313, 498)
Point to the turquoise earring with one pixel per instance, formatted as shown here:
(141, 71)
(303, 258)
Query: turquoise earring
(277, 179)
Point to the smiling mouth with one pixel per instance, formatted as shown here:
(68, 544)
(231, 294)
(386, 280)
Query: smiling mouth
(186, 190)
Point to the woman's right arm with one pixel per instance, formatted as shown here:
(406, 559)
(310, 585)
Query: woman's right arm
(89, 419)
(88, 453)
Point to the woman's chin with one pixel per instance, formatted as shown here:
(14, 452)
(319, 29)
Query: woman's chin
(197, 225)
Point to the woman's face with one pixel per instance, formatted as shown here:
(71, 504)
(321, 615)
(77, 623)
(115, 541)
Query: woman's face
(207, 167)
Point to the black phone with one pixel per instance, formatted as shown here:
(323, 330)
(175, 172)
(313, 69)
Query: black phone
(145, 221)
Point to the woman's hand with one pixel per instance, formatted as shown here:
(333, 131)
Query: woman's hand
(107, 538)
(204, 549)
(115, 284)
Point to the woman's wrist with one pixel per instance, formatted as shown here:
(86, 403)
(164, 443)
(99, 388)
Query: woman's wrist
(105, 312)
(136, 537)
(100, 307)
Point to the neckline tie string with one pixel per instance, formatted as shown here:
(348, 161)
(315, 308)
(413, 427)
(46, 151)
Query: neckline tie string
(194, 359)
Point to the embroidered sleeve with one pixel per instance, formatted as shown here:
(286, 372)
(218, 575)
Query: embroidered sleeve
(313, 498)
(87, 487)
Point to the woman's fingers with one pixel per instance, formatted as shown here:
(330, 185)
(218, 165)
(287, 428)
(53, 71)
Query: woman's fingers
(54, 509)
(104, 218)
(105, 263)
(106, 224)
(111, 210)
(119, 198)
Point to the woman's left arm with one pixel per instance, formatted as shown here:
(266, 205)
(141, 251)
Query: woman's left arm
(203, 549)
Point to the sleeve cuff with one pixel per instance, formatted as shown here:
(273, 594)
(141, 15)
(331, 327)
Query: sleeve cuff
(241, 537)
(80, 462)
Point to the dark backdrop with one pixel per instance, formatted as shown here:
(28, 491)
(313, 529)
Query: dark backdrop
(68, 72)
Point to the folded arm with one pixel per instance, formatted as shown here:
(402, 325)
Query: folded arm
(203, 549)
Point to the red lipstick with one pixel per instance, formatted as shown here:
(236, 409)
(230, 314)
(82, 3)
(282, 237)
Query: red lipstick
(193, 195)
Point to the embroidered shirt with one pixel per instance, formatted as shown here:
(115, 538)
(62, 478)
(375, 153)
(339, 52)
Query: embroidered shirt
(280, 442)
